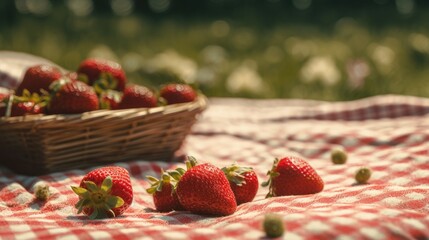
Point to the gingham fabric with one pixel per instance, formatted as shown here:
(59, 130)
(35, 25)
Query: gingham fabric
(389, 134)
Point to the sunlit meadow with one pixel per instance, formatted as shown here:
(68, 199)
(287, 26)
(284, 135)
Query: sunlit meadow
(326, 50)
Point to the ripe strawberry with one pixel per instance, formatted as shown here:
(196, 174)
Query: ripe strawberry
(72, 97)
(27, 104)
(204, 189)
(109, 99)
(22, 108)
(292, 176)
(178, 93)
(104, 192)
(136, 96)
(164, 194)
(39, 77)
(243, 181)
(104, 73)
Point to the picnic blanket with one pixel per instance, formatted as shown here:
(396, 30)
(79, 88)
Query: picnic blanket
(388, 133)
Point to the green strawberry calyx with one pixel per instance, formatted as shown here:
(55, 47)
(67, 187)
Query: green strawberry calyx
(272, 174)
(104, 82)
(191, 162)
(98, 198)
(235, 173)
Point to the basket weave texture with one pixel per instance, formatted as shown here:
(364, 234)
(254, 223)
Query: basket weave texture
(40, 144)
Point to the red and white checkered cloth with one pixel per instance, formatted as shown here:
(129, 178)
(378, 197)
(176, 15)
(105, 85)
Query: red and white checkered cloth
(387, 133)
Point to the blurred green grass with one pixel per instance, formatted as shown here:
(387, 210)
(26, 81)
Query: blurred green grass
(269, 49)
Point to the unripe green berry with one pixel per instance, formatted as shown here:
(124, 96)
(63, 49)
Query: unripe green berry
(273, 225)
(363, 175)
(338, 156)
(42, 192)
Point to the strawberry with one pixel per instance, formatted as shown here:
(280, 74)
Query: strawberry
(104, 192)
(292, 176)
(72, 97)
(103, 73)
(136, 96)
(109, 99)
(243, 181)
(27, 104)
(204, 189)
(21, 109)
(164, 194)
(38, 77)
(177, 93)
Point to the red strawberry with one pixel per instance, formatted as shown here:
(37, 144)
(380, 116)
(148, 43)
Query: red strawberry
(204, 189)
(27, 104)
(178, 93)
(164, 194)
(72, 97)
(244, 182)
(39, 77)
(104, 192)
(22, 108)
(106, 74)
(292, 176)
(110, 99)
(136, 96)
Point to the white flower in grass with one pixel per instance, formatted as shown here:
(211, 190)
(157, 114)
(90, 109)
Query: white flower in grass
(320, 68)
(245, 78)
(172, 62)
(357, 71)
(383, 57)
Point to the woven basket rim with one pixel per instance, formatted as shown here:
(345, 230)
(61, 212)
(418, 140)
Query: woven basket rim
(200, 103)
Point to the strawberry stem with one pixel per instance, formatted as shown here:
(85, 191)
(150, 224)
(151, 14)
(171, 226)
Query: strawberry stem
(269, 183)
(235, 173)
(97, 198)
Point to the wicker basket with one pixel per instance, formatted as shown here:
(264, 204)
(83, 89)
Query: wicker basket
(39, 144)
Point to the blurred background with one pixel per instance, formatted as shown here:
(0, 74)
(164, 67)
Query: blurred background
(313, 49)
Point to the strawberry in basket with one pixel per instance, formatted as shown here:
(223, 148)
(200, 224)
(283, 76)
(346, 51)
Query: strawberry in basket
(136, 96)
(177, 93)
(104, 192)
(39, 77)
(204, 189)
(292, 176)
(243, 181)
(27, 104)
(102, 74)
(68, 97)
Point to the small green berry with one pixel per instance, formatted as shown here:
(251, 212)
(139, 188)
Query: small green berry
(41, 192)
(363, 175)
(338, 156)
(273, 225)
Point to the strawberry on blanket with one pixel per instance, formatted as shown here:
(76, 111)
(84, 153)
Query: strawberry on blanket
(204, 189)
(292, 176)
(244, 182)
(104, 192)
